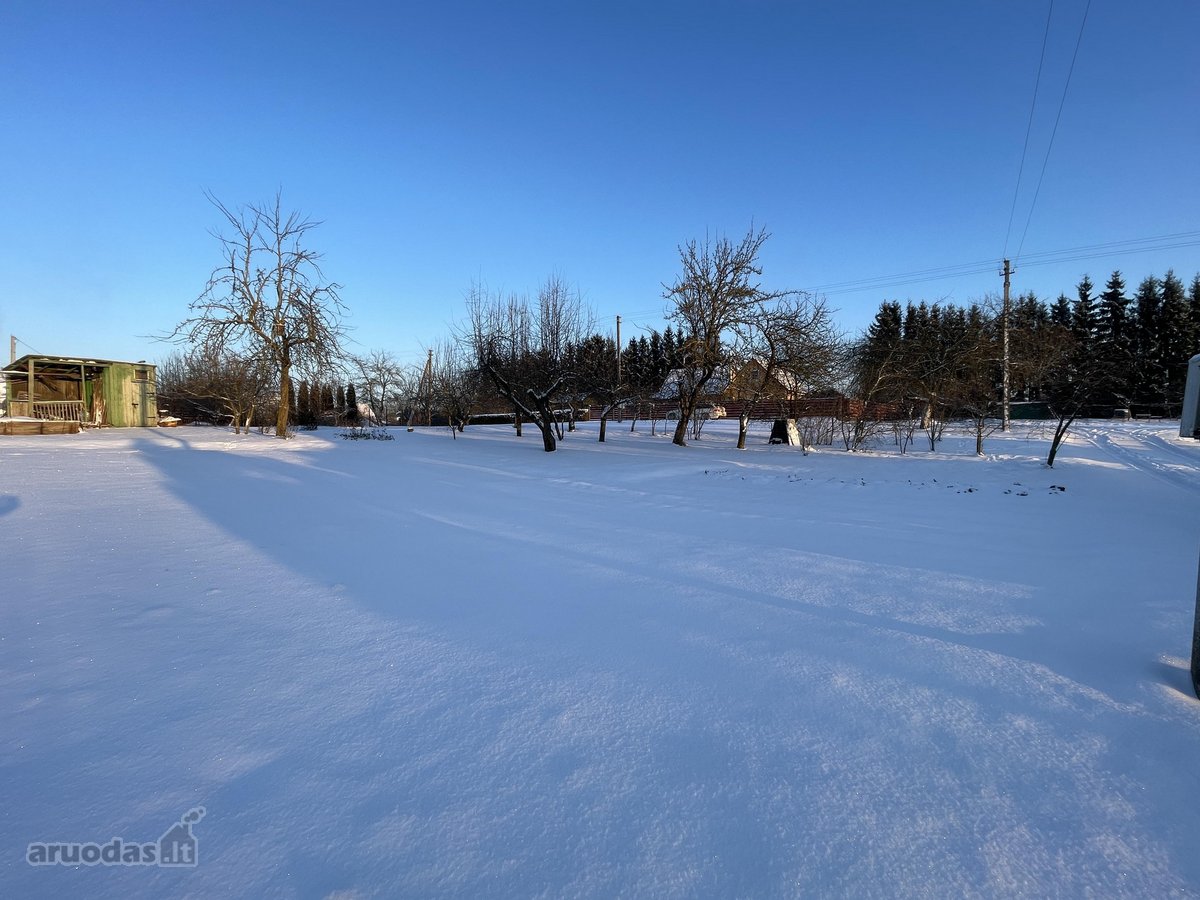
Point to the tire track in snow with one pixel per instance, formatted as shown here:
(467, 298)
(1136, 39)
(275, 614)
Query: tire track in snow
(1157, 439)
(1142, 454)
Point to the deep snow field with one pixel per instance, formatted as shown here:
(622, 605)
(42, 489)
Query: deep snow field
(434, 667)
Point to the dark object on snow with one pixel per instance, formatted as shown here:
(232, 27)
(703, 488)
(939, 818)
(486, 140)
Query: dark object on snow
(784, 432)
(1196, 642)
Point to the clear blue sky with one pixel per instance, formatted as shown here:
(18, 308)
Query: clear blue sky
(443, 142)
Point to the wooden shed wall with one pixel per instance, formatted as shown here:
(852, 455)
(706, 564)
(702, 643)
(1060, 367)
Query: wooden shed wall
(127, 400)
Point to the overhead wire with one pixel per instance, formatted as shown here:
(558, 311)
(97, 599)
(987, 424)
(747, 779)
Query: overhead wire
(1041, 258)
(1028, 127)
(1054, 132)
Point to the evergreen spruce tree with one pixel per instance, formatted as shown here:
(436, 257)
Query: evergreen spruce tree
(1194, 309)
(1083, 317)
(352, 414)
(1148, 366)
(303, 405)
(879, 358)
(314, 399)
(1061, 313)
(1028, 325)
(327, 406)
(631, 365)
(670, 349)
(1175, 331)
(936, 330)
(885, 332)
(651, 367)
(1028, 312)
(656, 357)
(1114, 340)
(911, 328)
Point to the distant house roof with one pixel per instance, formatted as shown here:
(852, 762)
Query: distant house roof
(785, 378)
(670, 386)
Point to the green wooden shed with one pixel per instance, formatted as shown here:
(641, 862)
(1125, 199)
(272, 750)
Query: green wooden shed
(80, 389)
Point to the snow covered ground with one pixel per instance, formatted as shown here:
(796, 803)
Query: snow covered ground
(468, 668)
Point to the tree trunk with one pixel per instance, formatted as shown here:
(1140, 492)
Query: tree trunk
(1060, 432)
(549, 443)
(285, 393)
(603, 425)
(743, 427)
(680, 437)
(687, 407)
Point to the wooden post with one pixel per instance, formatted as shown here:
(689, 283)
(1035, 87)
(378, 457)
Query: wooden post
(618, 350)
(1006, 411)
(29, 388)
(429, 389)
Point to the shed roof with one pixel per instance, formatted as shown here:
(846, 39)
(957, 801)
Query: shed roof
(72, 363)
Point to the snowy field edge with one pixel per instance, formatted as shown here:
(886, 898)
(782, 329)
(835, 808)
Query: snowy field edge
(438, 667)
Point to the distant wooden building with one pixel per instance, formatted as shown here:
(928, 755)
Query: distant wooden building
(751, 382)
(88, 391)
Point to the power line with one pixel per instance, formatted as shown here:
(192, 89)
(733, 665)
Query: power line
(1041, 258)
(1159, 237)
(907, 277)
(1054, 132)
(23, 344)
(630, 315)
(1028, 127)
(1105, 253)
(971, 267)
(1126, 246)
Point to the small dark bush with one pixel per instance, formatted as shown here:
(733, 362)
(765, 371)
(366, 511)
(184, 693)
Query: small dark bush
(367, 434)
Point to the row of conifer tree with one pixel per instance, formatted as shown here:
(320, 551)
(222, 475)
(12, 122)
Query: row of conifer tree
(1134, 344)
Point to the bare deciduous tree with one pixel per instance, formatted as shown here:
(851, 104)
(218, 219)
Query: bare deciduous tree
(715, 292)
(204, 379)
(870, 376)
(979, 372)
(525, 351)
(598, 379)
(268, 300)
(781, 350)
(380, 377)
(455, 385)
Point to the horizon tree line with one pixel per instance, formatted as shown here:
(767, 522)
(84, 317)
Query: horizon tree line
(268, 312)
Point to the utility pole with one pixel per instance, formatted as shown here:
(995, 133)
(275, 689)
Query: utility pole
(426, 383)
(12, 348)
(618, 349)
(1007, 273)
(429, 388)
